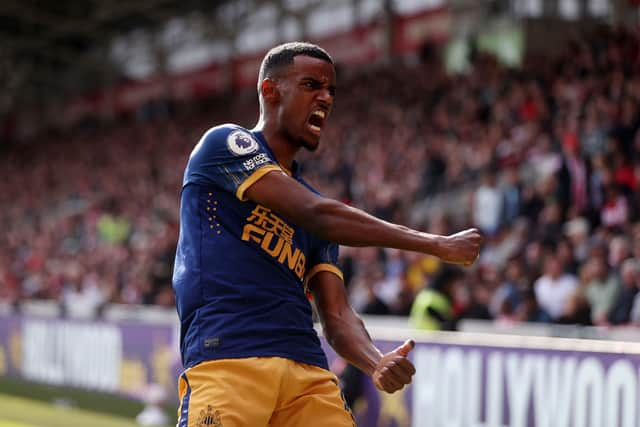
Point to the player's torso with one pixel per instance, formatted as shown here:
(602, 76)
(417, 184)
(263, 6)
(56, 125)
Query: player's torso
(239, 280)
(243, 242)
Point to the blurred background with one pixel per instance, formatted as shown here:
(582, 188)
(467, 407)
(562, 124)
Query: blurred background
(519, 117)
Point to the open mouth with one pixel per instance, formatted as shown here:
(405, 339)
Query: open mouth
(316, 121)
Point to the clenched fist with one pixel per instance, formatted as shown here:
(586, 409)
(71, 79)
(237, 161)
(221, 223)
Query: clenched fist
(394, 370)
(461, 248)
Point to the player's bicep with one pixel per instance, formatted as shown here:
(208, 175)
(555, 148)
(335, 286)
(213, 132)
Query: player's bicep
(283, 194)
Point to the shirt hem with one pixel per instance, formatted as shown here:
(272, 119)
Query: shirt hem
(324, 365)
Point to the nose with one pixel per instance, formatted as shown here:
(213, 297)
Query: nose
(324, 96)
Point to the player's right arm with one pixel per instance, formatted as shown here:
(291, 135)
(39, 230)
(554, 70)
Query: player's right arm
(339, 223)
(346, 333)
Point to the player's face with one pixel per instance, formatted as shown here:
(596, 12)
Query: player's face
(307, 93)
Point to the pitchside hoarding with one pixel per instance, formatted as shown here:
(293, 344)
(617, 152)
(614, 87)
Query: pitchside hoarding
(119, 357)
(462, 380)
(494, 387)
(485, 380)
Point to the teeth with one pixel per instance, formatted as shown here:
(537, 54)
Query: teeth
(319, 113)
(315, 128)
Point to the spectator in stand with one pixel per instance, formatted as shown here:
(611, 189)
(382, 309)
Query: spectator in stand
(602, 288)
(619, 250)
(601, 177)
(620, 312)
(488, 204)
(573, 174)
(554, 288)
(508, 297)
(478, 294)
(564, 252)
(529, 310)
(577, 232)
(615, 210)
(577, 311)
(433, 307)
(512, 197)
(550, 225)
(635, 308)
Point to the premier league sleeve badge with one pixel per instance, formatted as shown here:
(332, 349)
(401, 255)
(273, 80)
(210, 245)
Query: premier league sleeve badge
(241, 143)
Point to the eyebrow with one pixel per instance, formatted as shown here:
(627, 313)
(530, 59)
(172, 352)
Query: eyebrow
(332, 88)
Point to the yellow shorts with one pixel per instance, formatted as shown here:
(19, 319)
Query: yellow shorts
(260, 392)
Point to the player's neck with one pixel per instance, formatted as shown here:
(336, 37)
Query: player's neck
(283, 149)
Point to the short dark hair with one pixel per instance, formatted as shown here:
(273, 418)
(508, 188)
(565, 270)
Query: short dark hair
(282, 55)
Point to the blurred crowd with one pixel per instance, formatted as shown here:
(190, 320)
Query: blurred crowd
(545, 160)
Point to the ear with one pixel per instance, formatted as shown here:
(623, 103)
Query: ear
(270, 91)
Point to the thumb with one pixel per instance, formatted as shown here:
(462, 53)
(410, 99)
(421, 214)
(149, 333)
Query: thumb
(405, 348)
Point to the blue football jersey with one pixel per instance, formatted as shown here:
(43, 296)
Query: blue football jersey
(240, 268)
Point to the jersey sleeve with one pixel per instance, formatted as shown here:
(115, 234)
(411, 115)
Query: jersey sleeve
(229, 157)
(323, 258)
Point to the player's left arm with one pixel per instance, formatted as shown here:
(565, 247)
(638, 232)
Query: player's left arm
(346, 333)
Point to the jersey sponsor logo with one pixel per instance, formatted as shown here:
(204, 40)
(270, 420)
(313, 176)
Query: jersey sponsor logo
(241, 143)
(256, 161)
(209, 418)
(275, 237)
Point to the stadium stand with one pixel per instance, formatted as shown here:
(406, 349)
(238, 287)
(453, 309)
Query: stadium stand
(545, 160)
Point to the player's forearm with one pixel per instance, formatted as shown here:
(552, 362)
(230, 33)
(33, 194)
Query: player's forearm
(337, 222)
(348, 337)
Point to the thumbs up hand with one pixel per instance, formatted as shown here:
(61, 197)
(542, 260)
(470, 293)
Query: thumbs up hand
(394, 370)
